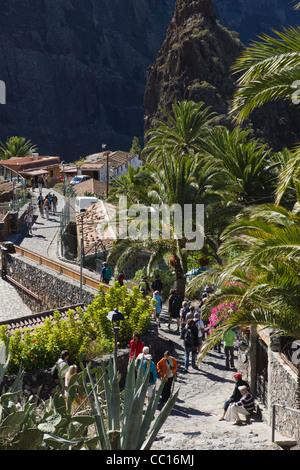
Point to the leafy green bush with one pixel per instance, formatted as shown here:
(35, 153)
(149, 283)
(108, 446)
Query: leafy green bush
(81, 331)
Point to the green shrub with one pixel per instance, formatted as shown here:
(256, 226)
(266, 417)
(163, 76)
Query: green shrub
(82, 331)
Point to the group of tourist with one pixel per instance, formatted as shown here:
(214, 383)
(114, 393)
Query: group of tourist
(166, 367)
(189, 321)
(47, 204)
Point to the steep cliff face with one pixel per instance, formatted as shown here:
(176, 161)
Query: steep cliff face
(253, 17)
(75, 70)
(195, 63)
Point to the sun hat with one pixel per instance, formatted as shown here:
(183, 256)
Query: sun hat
(238, 376)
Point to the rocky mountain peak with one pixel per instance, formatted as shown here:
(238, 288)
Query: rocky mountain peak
(184, 9)
(194, 62)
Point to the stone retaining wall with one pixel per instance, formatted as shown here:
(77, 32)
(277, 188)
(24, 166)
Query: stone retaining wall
(282, 389)
(53, 289)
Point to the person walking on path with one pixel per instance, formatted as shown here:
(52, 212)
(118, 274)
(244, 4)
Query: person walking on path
(200, 326)
(144, 286)
(47, 207)
(152, 377)
(167, 366)
(40, 203)
(183, 313)
(121, 278)
(135, 345)
(54, 203)
(28, 219)
(244, 406)
(158, 306)
(174, 308)
(190, 337)
(157, 284)
(236, 394)
(105, 273)
(229, 339)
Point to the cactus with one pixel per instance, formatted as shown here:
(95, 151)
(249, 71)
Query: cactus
(127, 426)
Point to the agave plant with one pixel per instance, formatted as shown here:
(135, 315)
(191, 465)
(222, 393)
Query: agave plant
(124, 425)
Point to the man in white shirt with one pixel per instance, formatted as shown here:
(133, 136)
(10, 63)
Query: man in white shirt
(28, 221)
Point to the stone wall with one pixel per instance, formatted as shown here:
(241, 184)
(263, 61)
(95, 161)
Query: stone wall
(54, 290)
(283, 390)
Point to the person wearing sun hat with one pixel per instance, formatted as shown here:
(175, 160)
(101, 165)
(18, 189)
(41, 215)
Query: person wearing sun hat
(236, 394)
(152, 377)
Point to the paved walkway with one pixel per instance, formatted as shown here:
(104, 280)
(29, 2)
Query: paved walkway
(46, 229)
(194, 422)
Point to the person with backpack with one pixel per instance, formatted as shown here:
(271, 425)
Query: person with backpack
(200, 326)
(152, 375)
(190, 338)
(157, 284)
(167, 366)
(174, 308)
(105, 273)
(144, 287)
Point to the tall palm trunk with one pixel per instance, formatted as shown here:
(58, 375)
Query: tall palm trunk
(180, 280)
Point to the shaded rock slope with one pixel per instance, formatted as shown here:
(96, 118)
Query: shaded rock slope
(75, 70)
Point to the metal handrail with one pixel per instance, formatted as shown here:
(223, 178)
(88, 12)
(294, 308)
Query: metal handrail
(60, 268)
(274, 414)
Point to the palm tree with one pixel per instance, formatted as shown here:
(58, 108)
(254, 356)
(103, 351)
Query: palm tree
(179, 132)
(131, 184)
(269, 69)
(16, 147)
(180, 180)
(247, 165)
(263, 277)
(289, 178)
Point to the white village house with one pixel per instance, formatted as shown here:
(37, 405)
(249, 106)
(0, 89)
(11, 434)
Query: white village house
(95, 165)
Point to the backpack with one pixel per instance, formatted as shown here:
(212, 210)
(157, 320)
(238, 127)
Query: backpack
(185, 311)
(157, 285)
(175, 303)
(107, 274)
(188, 338)
(143, 287)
